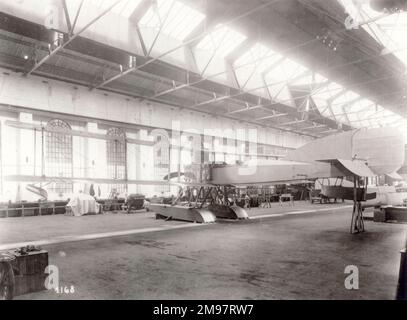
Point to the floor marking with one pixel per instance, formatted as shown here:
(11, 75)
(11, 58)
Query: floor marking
(95, 236)
(297, 212)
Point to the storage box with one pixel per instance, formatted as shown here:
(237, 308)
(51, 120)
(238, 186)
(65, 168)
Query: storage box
(29, 271)
(31, 263)
(379, 215)
(29, 283)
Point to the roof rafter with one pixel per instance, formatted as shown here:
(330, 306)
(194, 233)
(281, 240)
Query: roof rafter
(274, 115)
(71, 38)
(188, 42)
(67, 17)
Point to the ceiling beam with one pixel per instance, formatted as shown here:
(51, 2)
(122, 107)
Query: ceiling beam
(213, 55)
(75, 133)
(242, 92)
(291, 122)
(248, 108)
(78, 12)
(160, 29)
(67, 17)
(71, 38)
(240, 50)
(114, 78)
(117, 54)
(189, 42)
(314, 127)
(141, 39)
(329, 131)
(141, 10)
(276, 115)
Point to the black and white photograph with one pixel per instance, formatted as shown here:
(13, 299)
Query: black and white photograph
(220, 152)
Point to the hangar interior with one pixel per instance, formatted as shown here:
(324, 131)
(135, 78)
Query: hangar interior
(120, 98)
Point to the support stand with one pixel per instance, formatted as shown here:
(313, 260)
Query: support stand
(402, 284)
(200, 203)
(357, 223)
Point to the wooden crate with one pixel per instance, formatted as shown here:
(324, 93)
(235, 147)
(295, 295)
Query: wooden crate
(31, 263)
(29, 209)
(29, 284)
(14, 210)
(29, 270)
(3, 212)
(46, 208)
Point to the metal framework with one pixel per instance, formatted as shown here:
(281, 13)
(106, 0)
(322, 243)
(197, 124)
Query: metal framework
(235, 94)
(185, 43)
(275, 115)
(71, 36)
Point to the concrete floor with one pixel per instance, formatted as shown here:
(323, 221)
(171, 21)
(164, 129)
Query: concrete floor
(284, 257)
(17, 231)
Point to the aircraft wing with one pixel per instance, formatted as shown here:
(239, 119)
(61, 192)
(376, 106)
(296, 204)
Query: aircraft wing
(283, 171)
(261, 172)
(351, 167)
(395, 176)
(46, 179)
(268, 172)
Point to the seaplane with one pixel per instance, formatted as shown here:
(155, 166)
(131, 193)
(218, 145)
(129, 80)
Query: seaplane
(355, 155)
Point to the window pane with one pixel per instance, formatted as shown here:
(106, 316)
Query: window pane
(59, 156)
(179, 20)
(222, 40)
(116, 157)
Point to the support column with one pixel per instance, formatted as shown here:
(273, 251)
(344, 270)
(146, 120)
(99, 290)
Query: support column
(1, 158)
(204, 158)
(137, 164)
(26, 152)
(92, 153)
(213, 149)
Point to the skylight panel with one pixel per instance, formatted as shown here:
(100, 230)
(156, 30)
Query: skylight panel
(353, 117)
(337, 110)
(389, 30)
(364, 112)
(322, 96)
(292, 68)
(387, 117)
(328, 92)
(375, 115)
(341, 118)
(183, 20)
(310, 79)
(223, 40)
(346, 98)
(365, 123)
(363, 105)
(260, 56)
(173, 17)
(125, 8)
(403, 123)
(156, 14)
(287, 71)
(367, 114)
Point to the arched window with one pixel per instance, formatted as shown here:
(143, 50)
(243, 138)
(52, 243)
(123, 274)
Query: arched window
(116, 157)
(59, 159)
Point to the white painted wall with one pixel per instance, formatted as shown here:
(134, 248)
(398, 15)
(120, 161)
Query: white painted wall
(89, 161)
(57, 96)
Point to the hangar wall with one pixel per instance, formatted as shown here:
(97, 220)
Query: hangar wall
(37, 100)
(38, 93)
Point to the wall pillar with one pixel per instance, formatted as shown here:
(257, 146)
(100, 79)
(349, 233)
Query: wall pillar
(91, 156)
(26, 152)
